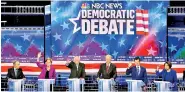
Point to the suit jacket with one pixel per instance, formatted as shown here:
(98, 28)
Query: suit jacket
(11, 74)
(74, 73)
(142, 75)
(112, 73)
(52, 73)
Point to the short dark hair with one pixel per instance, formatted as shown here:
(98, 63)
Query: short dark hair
(137, 58)
(168, 63)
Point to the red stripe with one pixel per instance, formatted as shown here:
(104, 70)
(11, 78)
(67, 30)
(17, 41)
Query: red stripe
(141, 18)
(145, 11)
(141, 25)
(87, 66)
(140, 32)
(138, 11)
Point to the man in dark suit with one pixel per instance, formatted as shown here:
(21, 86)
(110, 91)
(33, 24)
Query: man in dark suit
(107, 70)
(15, 72)
(77, 68)
(137, 72)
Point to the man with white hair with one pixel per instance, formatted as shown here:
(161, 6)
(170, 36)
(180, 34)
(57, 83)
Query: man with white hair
(77, 68)
(15, 72)
(107, 70)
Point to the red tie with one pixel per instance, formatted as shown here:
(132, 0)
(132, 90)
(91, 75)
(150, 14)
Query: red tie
(107, 68)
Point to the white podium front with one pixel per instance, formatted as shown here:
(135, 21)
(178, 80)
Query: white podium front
(162, 85)
(105, 85)
(74, 84)
(15, 85)
(44, 84)
(135, 85)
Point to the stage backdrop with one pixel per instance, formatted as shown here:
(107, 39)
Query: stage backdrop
(93, 29)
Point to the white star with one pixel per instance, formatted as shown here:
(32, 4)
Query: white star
(122, 42)
(103, 46)
(57, 37)
(18, 47)
(93, 39)
(25, 37)
(67, 43)
(65, 26)
(180, 37)
(163, 44)
(52, 47)
(32, 42)
(112, 36)
(159, 5)
(80, 45)
(115, 54)
(61, 53)
(139, 7)
(58, 9)
(75, 29)
(151, 52)
(8, 40)
(54, 18)
(172, 48)
(154, 32)
(157, 16)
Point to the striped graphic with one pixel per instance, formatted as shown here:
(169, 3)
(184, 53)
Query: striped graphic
(142, 22)
(91, 67)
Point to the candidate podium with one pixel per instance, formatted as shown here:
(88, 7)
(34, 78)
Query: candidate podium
(44, 84)
(162, 85)
(105, 85)
(76, 84)
(15, 85)
(135, 85)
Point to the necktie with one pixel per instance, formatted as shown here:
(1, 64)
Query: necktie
(16, 73)
(107, 68)
(77, 67)
(137, 70)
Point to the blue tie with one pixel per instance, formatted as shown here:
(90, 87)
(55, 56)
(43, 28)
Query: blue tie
(137, 70)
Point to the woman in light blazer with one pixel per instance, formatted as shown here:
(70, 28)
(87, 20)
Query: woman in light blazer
(48, 71)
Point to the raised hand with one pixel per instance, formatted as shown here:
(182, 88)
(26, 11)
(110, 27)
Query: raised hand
(129, 64)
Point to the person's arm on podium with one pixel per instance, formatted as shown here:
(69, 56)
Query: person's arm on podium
(99, 72)
(22, 74)
(175, 78)
(145, 77)
(115, 72)
(54, 74)
(38, 62)
(9, 74)
(83, 70)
